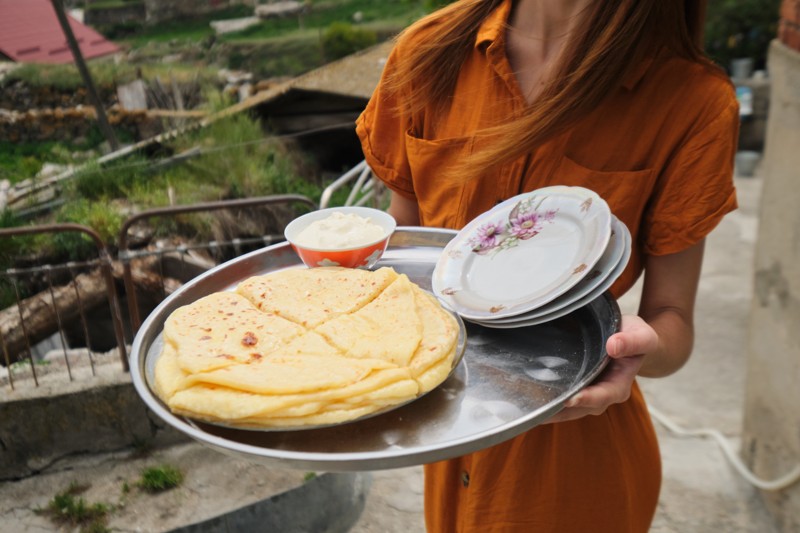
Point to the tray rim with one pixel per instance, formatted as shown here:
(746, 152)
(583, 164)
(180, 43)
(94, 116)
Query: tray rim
(343, 461)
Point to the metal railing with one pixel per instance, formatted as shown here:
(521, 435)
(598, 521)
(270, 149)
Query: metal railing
(126, 255)
(66, 293)
(363, 187)
(17, 334)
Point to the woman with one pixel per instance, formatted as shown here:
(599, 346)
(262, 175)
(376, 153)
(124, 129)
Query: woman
(487, 99)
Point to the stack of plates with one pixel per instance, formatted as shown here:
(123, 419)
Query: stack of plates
(533, 258)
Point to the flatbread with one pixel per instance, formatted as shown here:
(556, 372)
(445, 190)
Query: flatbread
(439, 335)
(387, 328)
(228, 404)
(310, 297)
(305, 347)
(224, 329)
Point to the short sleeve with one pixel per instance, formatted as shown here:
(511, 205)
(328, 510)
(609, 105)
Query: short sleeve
(695, 190)
(382, 128)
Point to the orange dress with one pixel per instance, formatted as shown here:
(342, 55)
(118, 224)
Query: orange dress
(660, 152)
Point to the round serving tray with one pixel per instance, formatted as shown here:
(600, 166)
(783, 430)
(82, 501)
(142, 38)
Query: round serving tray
(508, 381)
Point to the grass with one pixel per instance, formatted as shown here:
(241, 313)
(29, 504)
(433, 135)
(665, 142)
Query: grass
(105, 74)
(284, 56)
(183, 29)
(239, 159)
(160, 478)
(324, 13)
(68, 508)
(111, 4)
(22, 160)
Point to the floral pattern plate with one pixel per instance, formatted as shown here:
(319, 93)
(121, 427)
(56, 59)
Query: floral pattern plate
(523, 253)
(608, 262)
(576, 303)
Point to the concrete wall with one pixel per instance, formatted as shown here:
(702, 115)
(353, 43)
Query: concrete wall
(771, 433)
(40, 426)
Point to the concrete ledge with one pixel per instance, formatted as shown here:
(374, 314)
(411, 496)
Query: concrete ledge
(330, 503)
(39, 426)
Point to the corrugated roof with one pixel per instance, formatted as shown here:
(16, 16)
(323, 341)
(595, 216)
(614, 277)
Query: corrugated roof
(30, 33)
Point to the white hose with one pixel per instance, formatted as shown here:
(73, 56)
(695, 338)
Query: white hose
(778, 484)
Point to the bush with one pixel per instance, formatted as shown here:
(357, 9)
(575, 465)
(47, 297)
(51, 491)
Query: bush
(741, 29)
(342, 39)
(102, 216)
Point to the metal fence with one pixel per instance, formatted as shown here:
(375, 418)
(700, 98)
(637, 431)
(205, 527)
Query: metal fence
(33, 318)
(73, 298)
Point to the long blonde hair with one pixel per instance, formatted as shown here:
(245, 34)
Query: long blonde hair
(615, 34)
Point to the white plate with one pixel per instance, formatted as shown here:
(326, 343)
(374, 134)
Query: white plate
(601, 270)
(523, 253)
(580, 302)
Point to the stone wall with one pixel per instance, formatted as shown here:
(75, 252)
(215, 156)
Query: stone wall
(18, 95)
(159, 10)
(69, 124)
(107, 16)
(771, 433)
(154, 11)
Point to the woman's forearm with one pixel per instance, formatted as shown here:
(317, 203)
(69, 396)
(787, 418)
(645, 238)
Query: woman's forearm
(675, 342)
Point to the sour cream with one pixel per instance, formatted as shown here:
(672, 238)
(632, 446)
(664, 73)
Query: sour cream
(340, 231)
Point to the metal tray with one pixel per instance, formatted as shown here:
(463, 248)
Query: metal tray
(508, 381)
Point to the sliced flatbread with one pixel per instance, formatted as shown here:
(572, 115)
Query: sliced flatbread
(290, 374)
(305, 347)
(224, 329)
(221, 403)
(439, 334)
(387, 328)
(310, 297)
(169, 378)
(434, 375)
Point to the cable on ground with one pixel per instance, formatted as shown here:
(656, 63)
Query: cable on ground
(730, 454)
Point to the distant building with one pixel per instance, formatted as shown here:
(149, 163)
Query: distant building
(30, 33)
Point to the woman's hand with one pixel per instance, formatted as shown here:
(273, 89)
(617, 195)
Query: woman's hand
(626, 349)
(655, 343)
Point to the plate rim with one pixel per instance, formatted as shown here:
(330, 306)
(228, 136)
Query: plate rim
(595, 293)
(590, 288)
(591, 255)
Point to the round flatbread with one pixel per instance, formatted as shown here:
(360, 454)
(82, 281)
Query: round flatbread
(305, 347)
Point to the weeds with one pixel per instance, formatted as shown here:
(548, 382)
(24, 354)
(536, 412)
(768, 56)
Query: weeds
(160, 478)
(68, 508)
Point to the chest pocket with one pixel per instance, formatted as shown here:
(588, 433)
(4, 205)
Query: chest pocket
(440, 198)
(626, 191)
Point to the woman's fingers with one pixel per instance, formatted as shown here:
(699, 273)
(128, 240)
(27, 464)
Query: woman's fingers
(626, 348)
(636, 337)
(613, 386)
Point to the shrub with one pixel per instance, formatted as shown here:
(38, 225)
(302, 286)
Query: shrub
(741, 29)
(342, 39)
(102, 216)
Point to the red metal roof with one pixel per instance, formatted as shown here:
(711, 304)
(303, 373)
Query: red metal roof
(30, 33)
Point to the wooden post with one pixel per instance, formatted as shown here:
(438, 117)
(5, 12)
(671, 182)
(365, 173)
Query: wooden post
(108, 133)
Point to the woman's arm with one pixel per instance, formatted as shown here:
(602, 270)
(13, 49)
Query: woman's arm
(404, 211)
(655, 343)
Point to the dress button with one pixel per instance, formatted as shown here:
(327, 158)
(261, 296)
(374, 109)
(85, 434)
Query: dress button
(465, 478)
